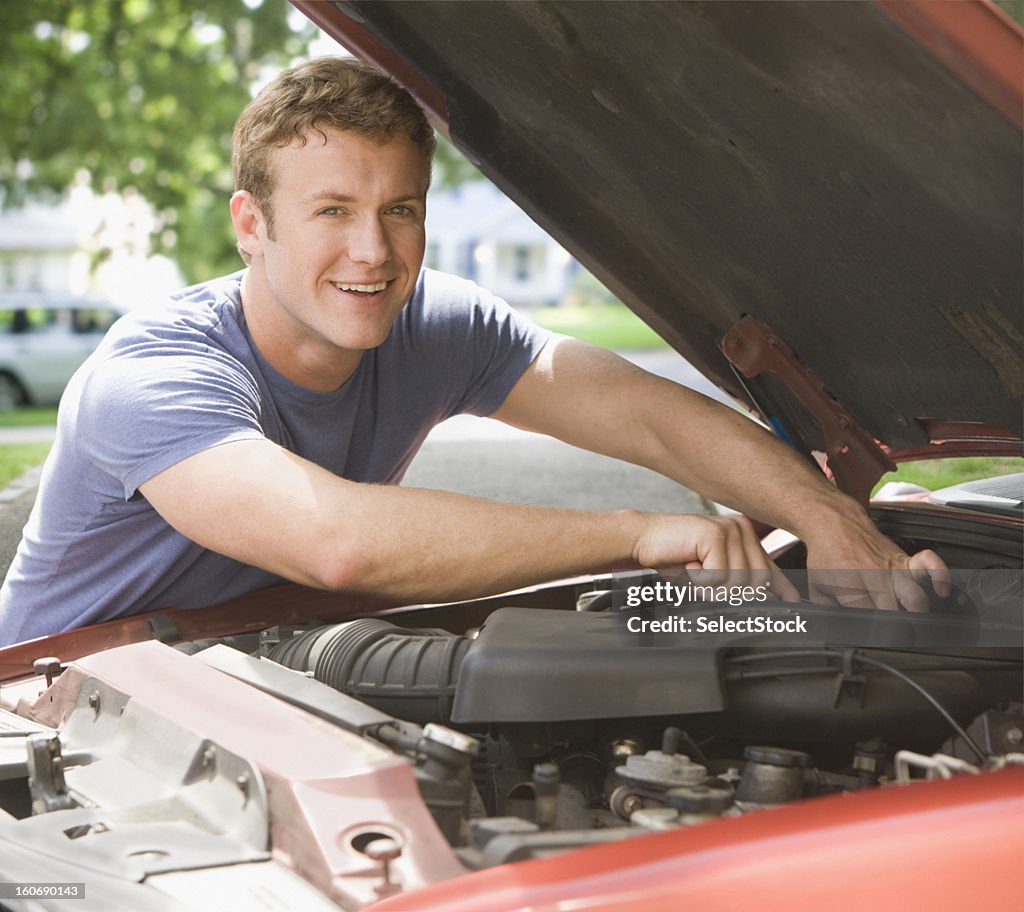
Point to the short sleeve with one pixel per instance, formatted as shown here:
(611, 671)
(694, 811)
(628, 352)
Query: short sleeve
(480, 346)
(142, 412)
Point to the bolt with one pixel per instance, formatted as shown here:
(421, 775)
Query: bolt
(1015, 736)
(209, 759)
(94, 703)
(48, 666)
(622, 750)
(632, 803)
(385, 851)
(243, 784)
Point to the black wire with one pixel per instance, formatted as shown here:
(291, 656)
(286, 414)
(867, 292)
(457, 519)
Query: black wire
(955, 663)
(968, 740)
(782, 654)
(810, 670)
(859, 657)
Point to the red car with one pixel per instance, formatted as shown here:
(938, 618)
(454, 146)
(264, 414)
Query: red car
(820, 206)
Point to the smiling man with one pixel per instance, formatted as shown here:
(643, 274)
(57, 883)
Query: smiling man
(255, 428)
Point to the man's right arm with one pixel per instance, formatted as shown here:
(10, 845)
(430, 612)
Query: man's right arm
(260, 504)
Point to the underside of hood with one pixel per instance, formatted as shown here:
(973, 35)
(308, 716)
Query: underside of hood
(813, 165)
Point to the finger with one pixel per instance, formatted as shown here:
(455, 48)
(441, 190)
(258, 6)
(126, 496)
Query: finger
(860, 595)
(764, 572)
(909, 594)
(817, 588)
(880, 588)
(749, 565)
(842, 587)
(737, 552)
(754, 555)
(713, 553)
(705, 575)
(935, 567)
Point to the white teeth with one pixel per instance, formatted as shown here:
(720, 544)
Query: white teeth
(379, 286)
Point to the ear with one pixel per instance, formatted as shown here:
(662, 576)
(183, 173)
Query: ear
(250, 225)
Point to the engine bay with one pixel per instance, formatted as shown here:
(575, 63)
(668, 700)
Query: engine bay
(511, 729)
(576, 731)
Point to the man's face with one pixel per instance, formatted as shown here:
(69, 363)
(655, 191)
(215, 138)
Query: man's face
(346, 243)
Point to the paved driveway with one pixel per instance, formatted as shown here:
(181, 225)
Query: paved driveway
(486, 458)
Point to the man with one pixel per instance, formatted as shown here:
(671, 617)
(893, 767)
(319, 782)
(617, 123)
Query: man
(256, 427)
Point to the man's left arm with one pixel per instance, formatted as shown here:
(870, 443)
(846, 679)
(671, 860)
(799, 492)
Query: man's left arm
(592, 398)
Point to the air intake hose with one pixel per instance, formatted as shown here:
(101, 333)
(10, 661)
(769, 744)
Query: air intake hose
(408, 674)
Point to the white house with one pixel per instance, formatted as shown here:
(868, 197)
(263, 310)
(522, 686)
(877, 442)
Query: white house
(45, 249)
(475, 231)
(40, 252)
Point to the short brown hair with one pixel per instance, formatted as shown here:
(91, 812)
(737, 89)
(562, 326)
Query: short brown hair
(339, 92)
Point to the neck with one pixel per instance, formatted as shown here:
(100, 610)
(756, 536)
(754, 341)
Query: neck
(314, 364)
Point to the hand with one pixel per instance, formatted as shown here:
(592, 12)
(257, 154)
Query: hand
(855, 565)
(717, 550)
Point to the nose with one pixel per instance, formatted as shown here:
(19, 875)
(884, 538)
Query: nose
(368, 241)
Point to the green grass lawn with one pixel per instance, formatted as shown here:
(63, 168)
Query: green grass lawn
(943, 473)
(29, 416)
(18, 458)
(609, 325)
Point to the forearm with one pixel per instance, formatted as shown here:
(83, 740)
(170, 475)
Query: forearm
(414, 543)
(264, 506)
(594, 399)
(257, 503)
(734, 461)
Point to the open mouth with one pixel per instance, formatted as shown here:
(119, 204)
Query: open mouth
(363, 290)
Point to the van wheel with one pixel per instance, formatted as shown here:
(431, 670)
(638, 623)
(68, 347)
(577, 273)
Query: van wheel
(11, 393)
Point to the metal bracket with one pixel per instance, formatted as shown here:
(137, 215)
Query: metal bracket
(849, 690)
(163, 628)
(855, 460)
(46, 774)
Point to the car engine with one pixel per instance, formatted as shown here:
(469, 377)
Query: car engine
(576, 734)
(506, 729)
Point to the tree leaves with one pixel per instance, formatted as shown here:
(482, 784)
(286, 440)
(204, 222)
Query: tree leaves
(140, 94)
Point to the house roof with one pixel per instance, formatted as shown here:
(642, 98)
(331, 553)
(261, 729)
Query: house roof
(38, 228)
(478, 210)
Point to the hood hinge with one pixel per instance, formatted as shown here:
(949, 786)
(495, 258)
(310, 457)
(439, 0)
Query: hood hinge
(854, 458)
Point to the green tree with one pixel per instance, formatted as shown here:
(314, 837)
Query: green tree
(137, 94)
(451, 167)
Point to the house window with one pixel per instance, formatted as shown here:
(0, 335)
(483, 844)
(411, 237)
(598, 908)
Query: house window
(522, 263)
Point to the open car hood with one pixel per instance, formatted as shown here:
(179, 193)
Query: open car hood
(849, 174)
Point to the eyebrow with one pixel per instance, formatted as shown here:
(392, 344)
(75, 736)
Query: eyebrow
(337, 197)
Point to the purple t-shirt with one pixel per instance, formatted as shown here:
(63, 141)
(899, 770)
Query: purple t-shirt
(169, 383)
